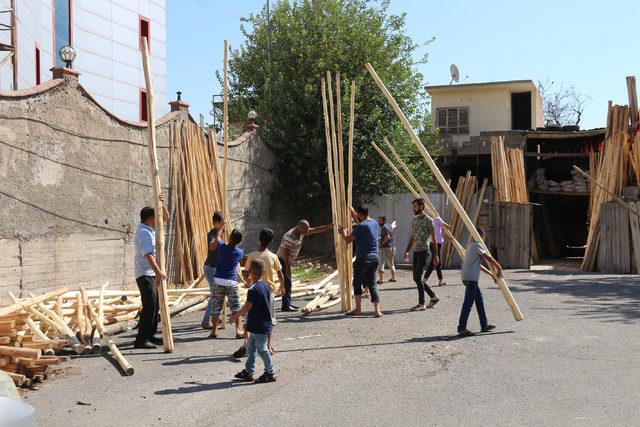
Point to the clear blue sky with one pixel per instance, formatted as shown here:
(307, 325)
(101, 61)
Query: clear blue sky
(590, 44)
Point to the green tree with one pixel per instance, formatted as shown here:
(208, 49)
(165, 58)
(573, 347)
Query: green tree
(309, 37)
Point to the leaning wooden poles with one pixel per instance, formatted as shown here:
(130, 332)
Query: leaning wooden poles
(165, 320)
(515, 310)
(341, 197)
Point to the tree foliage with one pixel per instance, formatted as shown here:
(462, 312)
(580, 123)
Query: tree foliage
(309, 37)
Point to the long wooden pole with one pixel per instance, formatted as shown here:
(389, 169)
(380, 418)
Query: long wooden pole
(606, 190)
(225, 130)
(167, 336)
(502, 284)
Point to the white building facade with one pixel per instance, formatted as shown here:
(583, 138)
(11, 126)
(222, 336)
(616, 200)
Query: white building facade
(462, 111)
(105, 35)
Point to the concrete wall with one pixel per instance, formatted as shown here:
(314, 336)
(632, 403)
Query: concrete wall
(489, 106)
(105, 34)
(73, 179)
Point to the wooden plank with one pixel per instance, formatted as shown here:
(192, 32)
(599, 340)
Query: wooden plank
(165, 319)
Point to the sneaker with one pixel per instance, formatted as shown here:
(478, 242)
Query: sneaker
(147, 345)
(241, 352)
(266, 378)
(433, 302)
(487, 328)
(156, 340)
(465, 333)
(244, 376)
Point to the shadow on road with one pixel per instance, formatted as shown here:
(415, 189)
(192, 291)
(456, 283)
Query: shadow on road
(598, 297)
(199, 387)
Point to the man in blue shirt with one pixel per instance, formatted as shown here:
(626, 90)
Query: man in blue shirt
(365, 234)
(148, 277)
(259, 325)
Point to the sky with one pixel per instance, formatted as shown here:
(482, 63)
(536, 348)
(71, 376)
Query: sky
(589, 44)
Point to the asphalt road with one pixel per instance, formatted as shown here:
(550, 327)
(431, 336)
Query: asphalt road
(572, 361)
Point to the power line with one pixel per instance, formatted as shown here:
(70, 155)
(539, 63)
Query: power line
(204, 3)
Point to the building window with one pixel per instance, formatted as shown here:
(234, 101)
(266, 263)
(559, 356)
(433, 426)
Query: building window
(37, 65)
(144, 116)
(62, 28)
(453, 121)
(144, 30)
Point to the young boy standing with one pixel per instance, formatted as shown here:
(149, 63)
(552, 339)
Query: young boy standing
(258, 312)
(226, 279)
(210, 265)
(470, 275)
(272, 269)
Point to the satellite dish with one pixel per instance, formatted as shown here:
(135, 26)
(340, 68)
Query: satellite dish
(455, 73)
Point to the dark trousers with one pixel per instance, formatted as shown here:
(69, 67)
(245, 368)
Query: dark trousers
(364, 275)
(430, 267)
(149, 317)
(286, 272)
(419, 265)
(472, 294)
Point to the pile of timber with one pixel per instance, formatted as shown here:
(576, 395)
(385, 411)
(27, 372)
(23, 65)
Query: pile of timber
(614, 168)
(25, 352)
(341, 196)
(508, 173)
(198, 192)
(464, 193)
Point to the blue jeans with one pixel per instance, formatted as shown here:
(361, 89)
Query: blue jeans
(472, 294)
(258, 343)
(209, 273)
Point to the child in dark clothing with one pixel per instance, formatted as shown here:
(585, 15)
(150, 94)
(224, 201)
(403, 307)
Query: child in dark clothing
(259, 325)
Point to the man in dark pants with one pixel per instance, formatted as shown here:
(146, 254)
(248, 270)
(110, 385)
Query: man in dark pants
(470, 274)
(365, 234)
(289, 250)
(148, 277)
(435, 248)
(421, 230)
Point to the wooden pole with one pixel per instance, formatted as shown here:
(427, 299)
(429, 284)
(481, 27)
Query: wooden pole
(167, 336)
(615, 197)
(225, 130)
(502, 284)
(330, 166)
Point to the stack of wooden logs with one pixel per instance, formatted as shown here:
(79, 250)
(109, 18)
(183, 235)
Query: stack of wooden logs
(508, 173)
(341, 197)
(465, 190)
(198, 192)
(617, 166)
(26, 355)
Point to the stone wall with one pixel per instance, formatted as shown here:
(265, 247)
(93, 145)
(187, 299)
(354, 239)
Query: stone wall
(73, 179)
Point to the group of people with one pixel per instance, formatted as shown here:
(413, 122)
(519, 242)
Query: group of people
(426, 240)
(267, 274)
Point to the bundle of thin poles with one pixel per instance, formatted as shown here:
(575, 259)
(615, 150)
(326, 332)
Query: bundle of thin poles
(611, 171)
(341, 197)
(508, 172)
(197, 194)
(465, 190)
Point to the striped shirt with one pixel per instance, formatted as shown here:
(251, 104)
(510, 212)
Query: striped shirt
(291, 242)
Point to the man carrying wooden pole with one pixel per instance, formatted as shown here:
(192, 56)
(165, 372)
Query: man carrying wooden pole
(160, 281)
(506, 293)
